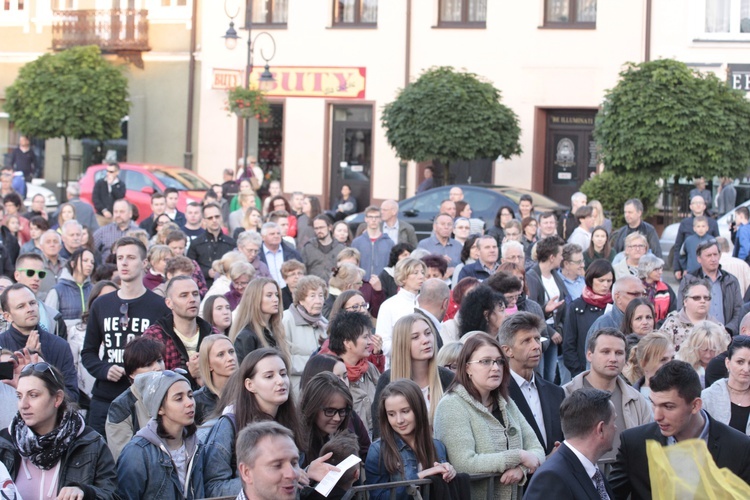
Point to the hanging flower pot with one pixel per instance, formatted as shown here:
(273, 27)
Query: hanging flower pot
(248, 103)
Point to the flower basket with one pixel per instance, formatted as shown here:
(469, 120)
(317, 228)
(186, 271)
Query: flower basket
(248, 103)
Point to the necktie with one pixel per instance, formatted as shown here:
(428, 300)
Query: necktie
(600, 488)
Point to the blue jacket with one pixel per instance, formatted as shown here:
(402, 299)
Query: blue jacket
(377, 473)
(220, 468)
(71, 297)
(373, 255)
(145, 468)
(688, 252)
(743, 242)
(475, 270)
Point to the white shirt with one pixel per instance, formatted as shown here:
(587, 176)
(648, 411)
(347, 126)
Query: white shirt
(531, 394)
(588, 466)
(392, 310)
(274, 260)
(391, 232)
(551, 290)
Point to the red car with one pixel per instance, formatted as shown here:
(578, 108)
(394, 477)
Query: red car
(143, 180)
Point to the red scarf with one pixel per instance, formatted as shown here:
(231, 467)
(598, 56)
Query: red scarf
(355, 372)
(595, 299)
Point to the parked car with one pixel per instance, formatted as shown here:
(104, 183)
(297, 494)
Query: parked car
(420, 210)
(35, 187)
(143, 180)
(669, 235)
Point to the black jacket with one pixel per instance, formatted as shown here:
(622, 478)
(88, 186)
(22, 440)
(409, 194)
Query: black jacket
(205, 249)
(646, 229)
(629, 475)
(551, 397)
(686, 229)
(103, 198)
(578, 319)
(87, 464)
(730, 292)
(562, 477)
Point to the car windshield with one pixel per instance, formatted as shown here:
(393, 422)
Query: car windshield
(539, 200)
(182, 181)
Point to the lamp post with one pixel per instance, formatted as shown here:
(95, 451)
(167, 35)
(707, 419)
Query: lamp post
(266, 78)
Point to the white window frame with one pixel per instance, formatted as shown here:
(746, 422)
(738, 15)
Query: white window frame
(699, 24)
(159, 14)
(15, 17)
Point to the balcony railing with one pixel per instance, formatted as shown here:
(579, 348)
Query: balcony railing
(123, 32)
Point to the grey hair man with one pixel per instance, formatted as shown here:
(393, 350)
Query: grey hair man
(431, 305)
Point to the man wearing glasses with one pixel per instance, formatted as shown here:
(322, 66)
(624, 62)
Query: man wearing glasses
(726, 296)
(107, 190)
(212, 244)
(624, 290)
(30, 272)
(115, 319)
(319, 254)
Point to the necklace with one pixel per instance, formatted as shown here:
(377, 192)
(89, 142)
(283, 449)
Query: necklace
(737, 390)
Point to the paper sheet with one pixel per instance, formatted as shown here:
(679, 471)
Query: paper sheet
(326, 485)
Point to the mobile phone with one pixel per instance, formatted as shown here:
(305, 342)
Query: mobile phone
(6, 370)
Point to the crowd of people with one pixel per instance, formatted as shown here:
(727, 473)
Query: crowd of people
(248, 346)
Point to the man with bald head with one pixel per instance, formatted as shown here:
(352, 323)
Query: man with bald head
(122, 222)
(624, 290)
(431, 305)
(456, 194)
(398, 230)
(697, 209)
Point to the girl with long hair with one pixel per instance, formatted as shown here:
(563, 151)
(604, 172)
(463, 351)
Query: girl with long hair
(705, 341)
(165, 458)
(218, 313)
(652, 352)
(259, 390)
(639, 318)
(406, 449)
(599, 248)
(414, 357)
(217, 362)
(258, 322)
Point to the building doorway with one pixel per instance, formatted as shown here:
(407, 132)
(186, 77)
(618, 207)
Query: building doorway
(570, 152)
(351, 153)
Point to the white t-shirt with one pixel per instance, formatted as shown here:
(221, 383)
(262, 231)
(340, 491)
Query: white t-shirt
(551, 291)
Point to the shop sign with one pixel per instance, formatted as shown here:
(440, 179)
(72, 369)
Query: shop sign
(301, 81)
(225, 79)
(739, 76)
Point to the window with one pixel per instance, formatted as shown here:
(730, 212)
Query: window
(726, 18)
(570, 13)
(463, 12)
(268, 11)
(353, 12)
(13, 5)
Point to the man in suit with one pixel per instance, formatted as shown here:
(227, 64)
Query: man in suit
(274, 252)
(431, 305)
(678, 415)
(588, 421)
(538, 400)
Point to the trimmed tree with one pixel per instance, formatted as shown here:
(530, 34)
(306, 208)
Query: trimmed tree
(448, 116)
(73, 94)
(664, 119)
(613, 189)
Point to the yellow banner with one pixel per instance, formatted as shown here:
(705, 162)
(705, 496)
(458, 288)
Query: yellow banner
(301, 81)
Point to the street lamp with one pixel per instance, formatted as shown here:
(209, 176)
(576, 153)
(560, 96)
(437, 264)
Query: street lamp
(266, 80)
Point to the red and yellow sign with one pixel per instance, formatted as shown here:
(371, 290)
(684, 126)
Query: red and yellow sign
(300, 81)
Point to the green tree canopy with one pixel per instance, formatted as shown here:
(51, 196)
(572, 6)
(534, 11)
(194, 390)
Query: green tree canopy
(613, 189)
(666, 119)
(73, 94)
(448, 116)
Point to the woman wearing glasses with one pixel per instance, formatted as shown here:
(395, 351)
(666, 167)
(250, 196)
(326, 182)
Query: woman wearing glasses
(48, 449)
(326, 407)
(494, 437)
(414, 356)
(696, 303)
(165, 458)
(636, 246)
(406, 450)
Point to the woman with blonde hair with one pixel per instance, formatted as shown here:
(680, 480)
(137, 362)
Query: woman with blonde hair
(221, 267)
(409, 274)
(599, 218)
(345, 277)
(237, 216)
(703, 343)
(258, 323)
(65, 213)
(251, 221)
(217, 362)
(651, 353)
(157, 258)
(241, 274)
(414, 356)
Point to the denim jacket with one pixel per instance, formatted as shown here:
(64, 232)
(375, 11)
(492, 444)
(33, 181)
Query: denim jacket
(145, 468)
(376, 472)
(220, 476)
